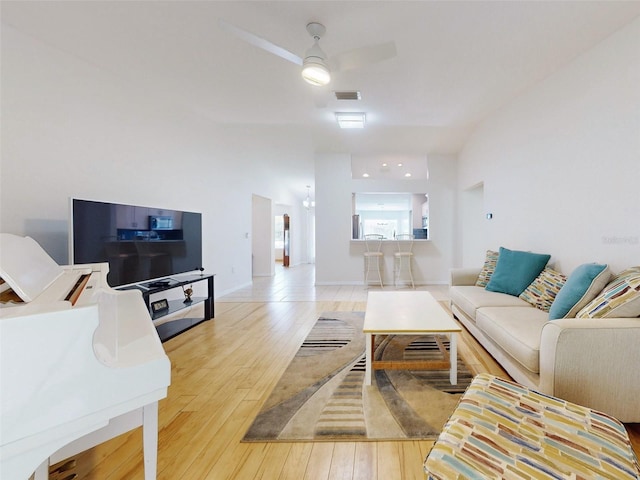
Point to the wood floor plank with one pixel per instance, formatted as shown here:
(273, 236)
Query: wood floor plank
(319, 464)
(296, 464)
(389, 460)
(366, 461)
(411, 460)
(109, 464)
(209, 438)
(425, 447)
(240, 457)
(342, 461)
(217, 449)
(271, 464)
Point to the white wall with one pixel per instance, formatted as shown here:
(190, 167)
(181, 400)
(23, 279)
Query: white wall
(561, 164)
(70, 129)
(472, 219)
(263, 258)
(339, 260)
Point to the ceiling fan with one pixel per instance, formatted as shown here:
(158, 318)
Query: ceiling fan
(316, 66)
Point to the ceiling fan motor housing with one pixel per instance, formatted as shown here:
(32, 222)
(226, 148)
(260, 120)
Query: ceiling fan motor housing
(316, 30)
(315, 52)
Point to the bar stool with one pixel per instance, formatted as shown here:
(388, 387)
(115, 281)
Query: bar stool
(373, 256)
(402, 258)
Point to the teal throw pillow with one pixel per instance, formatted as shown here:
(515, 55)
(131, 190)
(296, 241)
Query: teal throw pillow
(582, 286)
(515, 270)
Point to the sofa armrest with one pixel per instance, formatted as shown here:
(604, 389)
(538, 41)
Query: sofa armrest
(464, 276)
(593, 362)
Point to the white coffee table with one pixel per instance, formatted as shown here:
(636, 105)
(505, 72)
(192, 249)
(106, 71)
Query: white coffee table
(409, 313)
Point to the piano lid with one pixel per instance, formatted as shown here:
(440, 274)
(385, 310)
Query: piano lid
(26, 267)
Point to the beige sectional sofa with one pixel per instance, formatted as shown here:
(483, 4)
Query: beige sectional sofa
(594, 362)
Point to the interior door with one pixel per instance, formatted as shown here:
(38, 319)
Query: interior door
(285, 253)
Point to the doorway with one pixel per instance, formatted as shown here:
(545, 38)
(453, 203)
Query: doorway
(278, 244)
(287, 241)
(282, 239)
(263, 264)
(280, 212)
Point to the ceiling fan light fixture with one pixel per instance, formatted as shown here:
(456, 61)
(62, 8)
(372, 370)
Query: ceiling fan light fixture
(315, 67)
(315, 71)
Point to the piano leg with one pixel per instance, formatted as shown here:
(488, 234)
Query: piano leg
(146, 416)
(150, 440)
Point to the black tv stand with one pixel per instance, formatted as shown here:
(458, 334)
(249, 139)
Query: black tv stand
(172, 328)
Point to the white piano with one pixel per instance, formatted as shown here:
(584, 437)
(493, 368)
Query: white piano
(79, 362)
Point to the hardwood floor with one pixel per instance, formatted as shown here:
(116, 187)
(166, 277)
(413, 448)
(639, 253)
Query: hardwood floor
(223, 370)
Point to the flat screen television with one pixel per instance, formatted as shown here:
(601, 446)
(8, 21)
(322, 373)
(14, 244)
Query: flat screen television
(139, 243)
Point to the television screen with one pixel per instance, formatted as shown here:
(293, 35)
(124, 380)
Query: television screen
(139, 243)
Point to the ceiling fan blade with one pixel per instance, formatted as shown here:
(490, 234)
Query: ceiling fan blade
(363, 56)
(259, 42)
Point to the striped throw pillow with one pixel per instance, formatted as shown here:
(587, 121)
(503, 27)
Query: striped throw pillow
(543, 290)
(487, 270)
(619, 299)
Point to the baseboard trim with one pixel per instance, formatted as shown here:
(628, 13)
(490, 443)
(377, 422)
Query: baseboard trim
(231, 290)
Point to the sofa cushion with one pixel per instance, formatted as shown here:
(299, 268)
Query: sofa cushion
(488, 268)
(582, 286)
(515, 270)
(516, 330)
(470, 298)
(620, 298)
(543, 290)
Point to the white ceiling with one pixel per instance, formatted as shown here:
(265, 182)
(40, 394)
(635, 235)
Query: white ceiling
(390, 167)
(457, 62)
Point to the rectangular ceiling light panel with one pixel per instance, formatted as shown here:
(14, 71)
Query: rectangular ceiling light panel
(350, 119)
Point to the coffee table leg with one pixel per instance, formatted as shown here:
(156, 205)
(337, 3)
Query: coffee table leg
(368, 358)
(453, 358)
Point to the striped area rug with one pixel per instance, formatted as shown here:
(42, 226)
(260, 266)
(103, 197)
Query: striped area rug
(322, 396)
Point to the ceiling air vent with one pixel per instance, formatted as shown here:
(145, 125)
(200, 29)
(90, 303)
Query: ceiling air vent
(353, 95)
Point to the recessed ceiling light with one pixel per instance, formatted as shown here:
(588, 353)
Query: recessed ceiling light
(384, 164)
(365, 175)
(407, 174)
(350, 119)
(399, 164)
